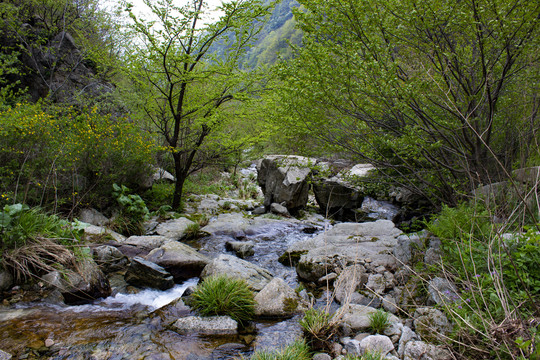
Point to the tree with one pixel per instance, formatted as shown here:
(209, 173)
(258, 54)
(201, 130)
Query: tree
(187, 88)
(442, 95)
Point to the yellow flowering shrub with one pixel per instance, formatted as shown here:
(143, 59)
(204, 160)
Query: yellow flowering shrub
(67, 157)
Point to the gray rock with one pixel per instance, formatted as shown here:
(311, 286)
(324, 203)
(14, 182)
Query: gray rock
(238, 226)
(372, 210)
(276, 300)
(6, 280)
(212, 325)
(174, 229)
(93, 217)
(5, 356)
(143, 273)
(356, 317)
(406, 243)
(442, 291)
(432, 256)
(256, 277)
(140, 245)
(181, 260)
(419, 350)
(279, 209)
(285, 178)
(349, 281)
(86, 285)
(527, 175)
(259, 210)
(431, 323)
(352, 346)
(371, 243)
(389, 304)
(376, 343)
(322, 356)
(242, 249)
(376, 283)
(109, 258)
(100, 234)
(406, 335)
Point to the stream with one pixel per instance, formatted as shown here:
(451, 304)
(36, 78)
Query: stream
(135, 326)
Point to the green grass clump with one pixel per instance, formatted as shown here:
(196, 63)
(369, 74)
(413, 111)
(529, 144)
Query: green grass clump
(319, 329)
(222, 295)
(298, 350)
(367, 356)
(379, 321)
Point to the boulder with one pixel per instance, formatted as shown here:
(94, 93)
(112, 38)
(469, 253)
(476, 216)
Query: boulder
(181, 260)
(256, 277)
(337, 196)
(529, 175)
(212, 325)
(93, 217)
(101, 234)
(6, 280)
(276, 300)
(349, 281)
(109, 258)
(85, 285)
(143, 273)
(174, 229)
(370, 244)
(140, 245)
(376, 344)
(372, 210)
(279, 209)
(285, 179)
(419, 350)
(238, 226)
(355, 318)
(242, 249)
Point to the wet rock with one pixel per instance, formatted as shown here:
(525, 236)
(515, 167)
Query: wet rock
(284, 179)
(212, 325)
(345, 244)
(109, 258)
(6, 280)
(143, 273)
(431, 323)
(276, 300)
(279, 209)
(5, 356)
(86, 285)
(174, 229)
(181, 260)
(242, 249)
(376, 343)
(93, 217)
(256, 277)
(442, 291)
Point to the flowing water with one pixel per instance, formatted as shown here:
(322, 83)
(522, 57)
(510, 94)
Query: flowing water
(135, 326)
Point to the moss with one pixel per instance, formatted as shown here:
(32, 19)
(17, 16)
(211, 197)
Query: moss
(290, 305)
(291, 258)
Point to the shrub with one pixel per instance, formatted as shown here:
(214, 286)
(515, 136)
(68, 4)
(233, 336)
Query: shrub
(133, 212)
(221, 295)
(298, 350)
(319, 329)
(379, 321)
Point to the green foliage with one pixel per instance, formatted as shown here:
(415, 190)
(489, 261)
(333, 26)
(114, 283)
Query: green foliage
(368, 355)
(193, 231)
(298, 350)
(221, 295)
(319, 329)
(379, 321)
(62, 157)
(133, 211)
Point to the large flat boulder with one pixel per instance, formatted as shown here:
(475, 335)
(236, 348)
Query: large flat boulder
(370, 244)
(181, 260)
(284, 180)
(276, 300)
(174, 229)
(256, 277)
(143, 273)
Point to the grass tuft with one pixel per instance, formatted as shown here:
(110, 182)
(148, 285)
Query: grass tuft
(379, 321)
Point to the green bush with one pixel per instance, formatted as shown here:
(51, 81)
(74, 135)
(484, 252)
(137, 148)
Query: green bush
(221, 295)
(379, 321)
(298, 350)
(133, 212)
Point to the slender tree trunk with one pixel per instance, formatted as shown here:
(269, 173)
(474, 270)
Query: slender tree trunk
(180, 176)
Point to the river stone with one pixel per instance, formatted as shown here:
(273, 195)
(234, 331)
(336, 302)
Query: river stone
(346, 243)
(376, 343)
(442, 291)
(212, 325)
(99, 234)
(284, 179)
(276, 300)
(352, 346)
(322, 356)
(349, 281)
(5, 356)
(242, 249)
(355, 317)
(419, 350)
(86, 285)
(181, 260)
(431, 323)
(143, 273)
(140, 245)
(6, 280)
(256, 277)
(238, 226)
(174, 229)
(279, 209)
(109, 258)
